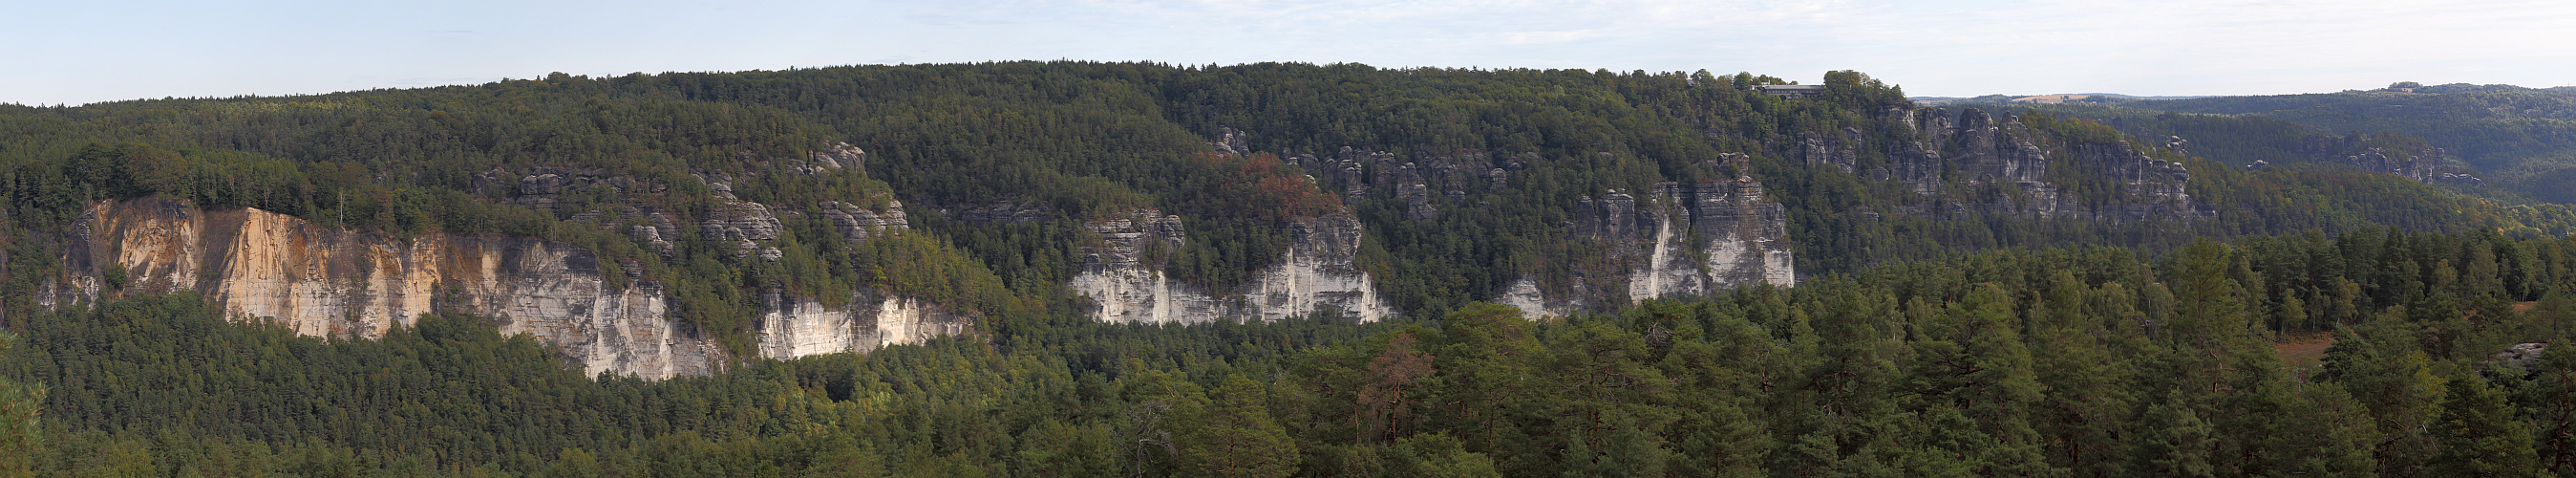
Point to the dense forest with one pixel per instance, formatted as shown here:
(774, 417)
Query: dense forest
(1083, 141)
(1929, 333)
(2091, 361)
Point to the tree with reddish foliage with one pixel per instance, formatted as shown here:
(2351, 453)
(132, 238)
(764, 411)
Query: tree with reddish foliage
(1385, 410)
(1258, 185)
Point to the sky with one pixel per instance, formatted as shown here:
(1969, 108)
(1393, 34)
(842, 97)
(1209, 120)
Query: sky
(75, 52)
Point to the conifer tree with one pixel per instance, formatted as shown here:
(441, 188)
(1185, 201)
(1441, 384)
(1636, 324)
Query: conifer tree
(1437, 455)
(2378, 365)
(21, 433)
(1974, 362)
(2479, 434)
(2330, 435)
(1238, 437)
(2549, 401)
(2173, 441)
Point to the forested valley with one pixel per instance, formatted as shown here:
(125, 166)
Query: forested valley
(2001, 291)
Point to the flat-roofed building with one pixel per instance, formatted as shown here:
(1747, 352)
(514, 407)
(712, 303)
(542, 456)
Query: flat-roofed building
(1791, 91)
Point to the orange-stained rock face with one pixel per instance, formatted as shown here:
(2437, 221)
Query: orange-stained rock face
(331, 282)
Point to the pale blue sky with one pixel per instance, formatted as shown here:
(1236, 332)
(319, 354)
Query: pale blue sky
(96, 50)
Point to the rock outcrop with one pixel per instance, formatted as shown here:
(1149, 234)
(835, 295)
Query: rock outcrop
(1984, 164)
(740, 221)
(858, 224)
(2520, 356)
(332, 282)
(1425, 185)
(1693, 238)
(2424, 164)
(795, 327)
(1525, 295)
(1230, 142)
(1685, 238)
(831, 159)
(1124, 278)
(1004, 212)
(1818, 150)
(544, 188)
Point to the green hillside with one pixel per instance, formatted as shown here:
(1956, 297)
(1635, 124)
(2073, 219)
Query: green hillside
(2524, 137)
(1081, 140)
(1959, 312)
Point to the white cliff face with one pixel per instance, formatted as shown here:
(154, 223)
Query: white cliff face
(1525, 295)
(1315, 273)
(331, 282)
(1692, 239)
(796, 327)
(1318, 272)
(1746, 235)
(1125, 287)
(1146, 295)
(1668, 269)
(1742, 234)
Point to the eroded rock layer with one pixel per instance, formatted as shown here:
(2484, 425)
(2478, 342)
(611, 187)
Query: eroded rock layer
(1124, 277)
(1688, 239)
(1693, 238)
(1682, 238)
(332, 282)
(1981, 163)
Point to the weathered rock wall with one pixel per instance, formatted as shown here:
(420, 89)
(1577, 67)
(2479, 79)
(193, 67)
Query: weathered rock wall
(795, 327)
(1533, 302)
(333, 282)
(1684, 238)
(2424, 164)
(1125, 280)
(1692, 238)
(1964, 167)
(1427, 184)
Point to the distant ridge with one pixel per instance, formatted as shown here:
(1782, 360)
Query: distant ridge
(2136, 97)
(2043, 99)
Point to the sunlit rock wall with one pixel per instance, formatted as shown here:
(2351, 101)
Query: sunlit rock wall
(331, 282)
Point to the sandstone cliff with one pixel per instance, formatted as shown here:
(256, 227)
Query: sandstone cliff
(332, 282)
(1689, 239)
(1317, 272)
(1426, 184)
(1984, 164)
(2424, 164)
(1683, 238)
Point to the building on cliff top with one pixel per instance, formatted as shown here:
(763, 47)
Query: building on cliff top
(1792, 91)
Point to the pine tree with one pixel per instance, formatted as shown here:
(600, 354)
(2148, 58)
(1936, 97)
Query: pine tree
(1974, 363)
(2331, 435)
(2173, 441)
(21, 434)
(2550, 400)
(1437, 455)
(2479, 435)
(1485, 361)
(1238, 437)
(2377, 364)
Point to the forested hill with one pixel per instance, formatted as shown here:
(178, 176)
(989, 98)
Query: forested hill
(1013, 164)
(961, 269)
(2522, 141)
